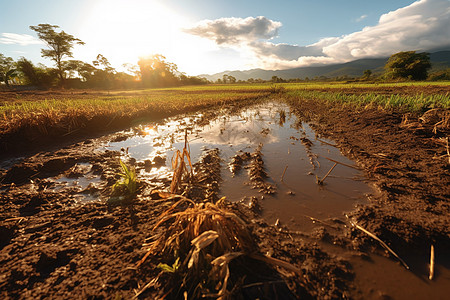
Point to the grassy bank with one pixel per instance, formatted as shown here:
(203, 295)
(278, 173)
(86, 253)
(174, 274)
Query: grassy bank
(360, 85)
(70, 111)
(407, 103)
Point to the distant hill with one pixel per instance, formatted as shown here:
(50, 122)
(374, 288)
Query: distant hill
(356, 68)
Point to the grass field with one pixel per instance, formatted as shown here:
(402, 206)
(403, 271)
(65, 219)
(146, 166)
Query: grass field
(69, 109)
(340, 84)
(406, 103)
(66, 109)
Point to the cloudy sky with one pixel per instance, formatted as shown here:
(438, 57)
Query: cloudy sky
(209, 36)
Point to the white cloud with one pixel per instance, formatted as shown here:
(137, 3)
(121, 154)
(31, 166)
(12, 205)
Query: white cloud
(19, 39)
(236, 30)
(423, 25)
(361, 18)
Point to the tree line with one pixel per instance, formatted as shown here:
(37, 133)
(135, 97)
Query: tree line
(156, 71)
(151, 71)
(401, 66)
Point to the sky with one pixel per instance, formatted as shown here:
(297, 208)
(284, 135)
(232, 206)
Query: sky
(209, 36)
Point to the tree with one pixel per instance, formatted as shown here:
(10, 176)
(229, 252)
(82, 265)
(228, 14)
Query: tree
(60, 44)
(225, 78)
(367, 74)
(157, 72)
(38, 76)
(71, 67)
(408, 65)
(228, 79)
(104, 73)
(7, 69)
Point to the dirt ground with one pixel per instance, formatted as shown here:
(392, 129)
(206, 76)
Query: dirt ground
(53, 247)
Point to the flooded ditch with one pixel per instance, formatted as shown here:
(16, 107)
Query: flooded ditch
(261, 155)
(293, 157)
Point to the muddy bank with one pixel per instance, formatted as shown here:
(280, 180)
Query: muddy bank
(410, 165)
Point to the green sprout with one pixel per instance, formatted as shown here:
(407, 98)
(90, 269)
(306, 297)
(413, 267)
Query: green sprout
(170, 269)
(126, 186)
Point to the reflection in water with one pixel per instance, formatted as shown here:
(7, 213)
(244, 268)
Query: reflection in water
(280, 134)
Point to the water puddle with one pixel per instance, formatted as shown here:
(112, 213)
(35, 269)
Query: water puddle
(81, 180)
(294, 159)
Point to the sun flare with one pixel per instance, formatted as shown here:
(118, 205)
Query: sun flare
(142, 27)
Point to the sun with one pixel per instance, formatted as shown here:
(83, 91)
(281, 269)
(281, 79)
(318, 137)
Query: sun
(124, 30)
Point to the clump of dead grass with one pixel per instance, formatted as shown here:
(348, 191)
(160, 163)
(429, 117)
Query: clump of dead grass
(201, 240)
(204, 237)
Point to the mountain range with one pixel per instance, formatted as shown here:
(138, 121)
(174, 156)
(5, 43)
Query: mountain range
(439, 60)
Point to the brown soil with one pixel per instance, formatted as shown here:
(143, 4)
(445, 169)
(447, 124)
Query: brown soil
(410, 165)
(54, 247)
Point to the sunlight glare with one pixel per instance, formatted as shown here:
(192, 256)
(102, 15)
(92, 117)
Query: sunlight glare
(123, 31)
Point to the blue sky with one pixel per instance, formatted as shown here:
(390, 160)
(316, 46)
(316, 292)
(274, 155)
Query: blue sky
(207, 36)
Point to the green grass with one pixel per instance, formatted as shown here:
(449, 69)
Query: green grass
(340, 85)
(69, 112)
(411, 103)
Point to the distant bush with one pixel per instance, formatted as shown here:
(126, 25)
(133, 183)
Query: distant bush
(40, 76)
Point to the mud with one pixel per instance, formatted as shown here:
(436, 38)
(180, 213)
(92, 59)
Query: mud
(59, 238)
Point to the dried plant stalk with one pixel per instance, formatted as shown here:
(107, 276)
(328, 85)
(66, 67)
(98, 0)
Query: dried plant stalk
(320, 181)
(282, 176)
(431, 263)
(341, 163)
(448, 152)
(179, 165)
(385, 246)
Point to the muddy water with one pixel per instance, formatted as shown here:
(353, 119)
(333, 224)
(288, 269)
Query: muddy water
(288, 146)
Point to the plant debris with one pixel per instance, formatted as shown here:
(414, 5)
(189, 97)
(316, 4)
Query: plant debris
(258, 175)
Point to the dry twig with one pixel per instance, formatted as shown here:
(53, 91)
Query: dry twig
(276, 262)
(448, 152)
(320, 181)
(326, 143)
(385, 246)
(338, 162)
(282, 176)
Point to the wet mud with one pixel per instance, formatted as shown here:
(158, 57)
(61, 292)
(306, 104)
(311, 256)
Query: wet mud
(59, 236)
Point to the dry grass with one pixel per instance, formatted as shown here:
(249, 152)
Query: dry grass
(204, 237)
(195, 243)
(66, 112)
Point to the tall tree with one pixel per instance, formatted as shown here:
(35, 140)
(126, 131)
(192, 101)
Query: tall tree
(408, 65)
(60, 44)
(104, 74)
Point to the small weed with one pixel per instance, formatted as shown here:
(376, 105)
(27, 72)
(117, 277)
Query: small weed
(170, 269)
(179, 165)
(126, 187)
